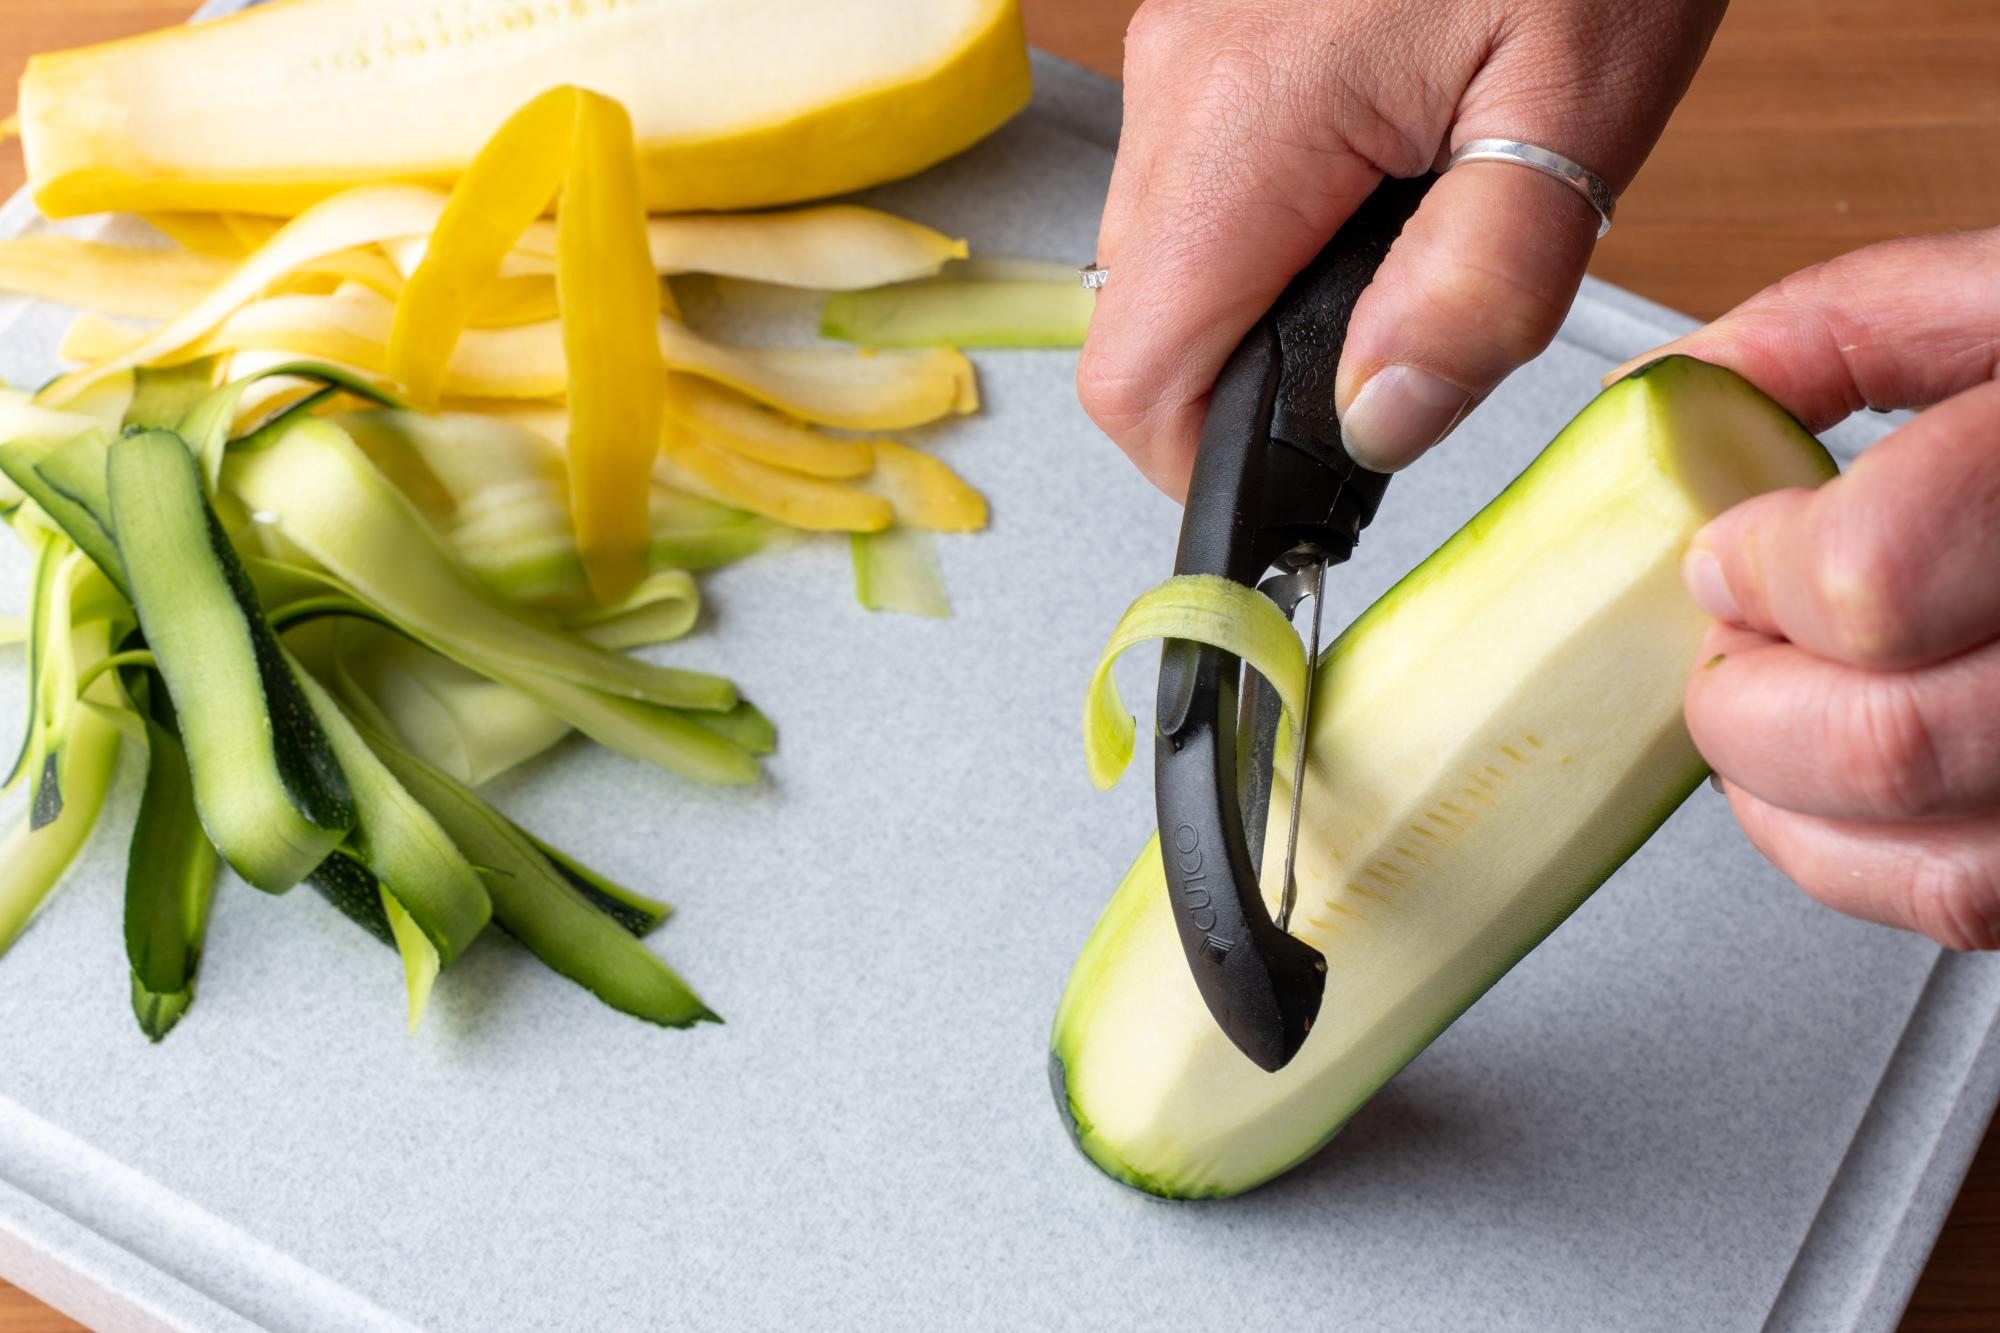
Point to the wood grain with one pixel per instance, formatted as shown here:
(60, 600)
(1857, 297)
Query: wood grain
(1815, 127)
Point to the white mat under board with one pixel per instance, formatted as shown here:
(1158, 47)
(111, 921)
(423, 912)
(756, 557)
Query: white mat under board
(1703, 1103)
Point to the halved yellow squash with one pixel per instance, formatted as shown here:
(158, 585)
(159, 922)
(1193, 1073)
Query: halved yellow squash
(735, 103)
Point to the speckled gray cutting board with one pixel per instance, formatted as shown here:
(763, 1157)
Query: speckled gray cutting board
(1703, 1103)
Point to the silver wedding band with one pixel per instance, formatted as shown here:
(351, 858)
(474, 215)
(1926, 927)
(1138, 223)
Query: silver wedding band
(1550, 163)
(1545, 160)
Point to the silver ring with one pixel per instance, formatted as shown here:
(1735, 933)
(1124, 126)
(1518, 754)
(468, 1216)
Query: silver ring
(1092, 275)
(1573, 174)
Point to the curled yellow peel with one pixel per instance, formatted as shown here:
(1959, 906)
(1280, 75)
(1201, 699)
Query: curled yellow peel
(1204, 608)
(606, 286)
(580, 143)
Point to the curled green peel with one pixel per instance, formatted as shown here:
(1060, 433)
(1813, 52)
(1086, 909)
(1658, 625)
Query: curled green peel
(1204, 608)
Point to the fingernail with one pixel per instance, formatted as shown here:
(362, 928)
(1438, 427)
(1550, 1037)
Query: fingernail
(1702, 573)
(1400, 412)
(1715, 784)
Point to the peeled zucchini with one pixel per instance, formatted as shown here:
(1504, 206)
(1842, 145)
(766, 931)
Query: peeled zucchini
(1489, 742)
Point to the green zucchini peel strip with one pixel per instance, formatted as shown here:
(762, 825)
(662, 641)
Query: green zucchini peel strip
(271, 794)
(35, 859)
(170, 871)
(949, 311)
(1203, 608)
(311, 485)
(434, 899)
(538, 905)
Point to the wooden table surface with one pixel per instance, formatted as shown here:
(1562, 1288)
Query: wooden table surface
(1815, 126)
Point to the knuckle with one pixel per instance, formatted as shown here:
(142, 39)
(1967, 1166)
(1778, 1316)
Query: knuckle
(1890, 750)
(1118, 400)
(1513, 320)
(1159, 33)
(1954, 897)
(1859, 582)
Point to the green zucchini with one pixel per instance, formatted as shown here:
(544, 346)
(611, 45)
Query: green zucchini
(269, 790)
(1489, 742)
(538, 904)
(169, 874)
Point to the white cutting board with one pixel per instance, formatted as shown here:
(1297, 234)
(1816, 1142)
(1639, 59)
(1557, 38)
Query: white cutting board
(1703, 1103)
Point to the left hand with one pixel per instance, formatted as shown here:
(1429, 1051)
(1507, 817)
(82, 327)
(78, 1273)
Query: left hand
(1849, 696)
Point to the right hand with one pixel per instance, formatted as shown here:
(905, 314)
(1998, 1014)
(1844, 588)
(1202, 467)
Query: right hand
(1254, 127)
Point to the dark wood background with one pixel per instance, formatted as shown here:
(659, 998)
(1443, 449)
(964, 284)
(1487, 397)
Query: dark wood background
(1815, 126)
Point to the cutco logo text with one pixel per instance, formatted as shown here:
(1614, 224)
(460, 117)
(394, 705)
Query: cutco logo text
(1194, 888)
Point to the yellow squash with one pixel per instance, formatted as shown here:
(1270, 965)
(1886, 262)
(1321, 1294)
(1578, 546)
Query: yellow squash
(735, 103)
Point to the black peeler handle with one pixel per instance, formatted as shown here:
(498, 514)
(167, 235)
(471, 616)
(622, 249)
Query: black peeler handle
(1271, 476)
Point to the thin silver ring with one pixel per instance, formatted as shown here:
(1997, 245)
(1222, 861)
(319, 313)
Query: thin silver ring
(1550, 163)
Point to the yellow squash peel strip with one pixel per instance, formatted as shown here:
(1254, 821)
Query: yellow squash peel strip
(1204, 608)
(926, 492)
(830, 386)
(812, 503)
(359, 217)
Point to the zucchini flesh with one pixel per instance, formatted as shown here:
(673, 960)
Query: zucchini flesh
(1489, 742)
(267, 785)
(169, 874)
(538, 905)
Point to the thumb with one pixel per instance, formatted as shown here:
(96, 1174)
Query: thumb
(1233, 169)
(1477, 284)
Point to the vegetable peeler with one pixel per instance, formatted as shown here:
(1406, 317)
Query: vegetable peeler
(1274, 501)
